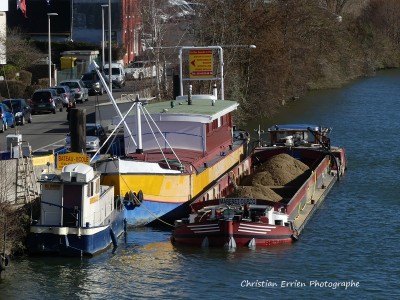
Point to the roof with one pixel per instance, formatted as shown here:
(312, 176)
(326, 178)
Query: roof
(294, 127)
(199, 111)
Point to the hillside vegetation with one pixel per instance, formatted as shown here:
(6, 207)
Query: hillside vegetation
(301, 45)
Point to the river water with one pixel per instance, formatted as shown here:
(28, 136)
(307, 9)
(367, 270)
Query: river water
(352, 239)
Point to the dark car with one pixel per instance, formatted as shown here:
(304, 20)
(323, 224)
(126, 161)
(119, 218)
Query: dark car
(46, 100)
(93, 83)
(66, 94)
(20, 109)
(6, 118)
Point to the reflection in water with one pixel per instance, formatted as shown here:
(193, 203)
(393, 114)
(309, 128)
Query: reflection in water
(338, 244)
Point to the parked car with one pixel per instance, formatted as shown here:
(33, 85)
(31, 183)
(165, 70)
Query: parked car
(95, 136)
(66, 94)
(117, 74)
(139, 70)
(45, 100)
(6, 118)
(93, 83)
(78, 87)
(20, 109)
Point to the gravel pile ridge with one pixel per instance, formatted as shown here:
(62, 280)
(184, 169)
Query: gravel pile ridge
(280, 170)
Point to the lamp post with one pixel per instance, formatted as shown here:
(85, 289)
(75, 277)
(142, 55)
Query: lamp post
(109, 46)
(72, 21)
(103, 55)
(48, 17)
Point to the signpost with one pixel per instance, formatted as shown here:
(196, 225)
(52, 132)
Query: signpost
(71, 158)
(200, 63)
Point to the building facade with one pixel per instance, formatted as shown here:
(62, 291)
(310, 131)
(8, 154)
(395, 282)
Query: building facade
(81, 21)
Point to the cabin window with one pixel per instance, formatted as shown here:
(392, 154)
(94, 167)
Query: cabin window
(92, 188)
(97, 186)
(229, 119)
(209, 127)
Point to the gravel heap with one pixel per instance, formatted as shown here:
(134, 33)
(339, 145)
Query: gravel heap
(280, 170)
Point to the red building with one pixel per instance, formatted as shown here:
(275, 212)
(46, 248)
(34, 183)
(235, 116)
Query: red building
(81, 21)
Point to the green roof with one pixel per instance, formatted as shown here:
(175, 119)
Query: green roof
(198, 107)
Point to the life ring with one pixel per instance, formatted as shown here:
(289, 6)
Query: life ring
(140, 197)
(135, 199)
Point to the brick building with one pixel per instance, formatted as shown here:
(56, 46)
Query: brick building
(81, 21)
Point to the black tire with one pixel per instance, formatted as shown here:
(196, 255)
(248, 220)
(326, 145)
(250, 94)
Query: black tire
(2, 127)
(61, 109)
(54, 111)
(13, 124)
(30, 118)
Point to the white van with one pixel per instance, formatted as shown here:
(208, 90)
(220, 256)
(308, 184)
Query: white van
(117, 74)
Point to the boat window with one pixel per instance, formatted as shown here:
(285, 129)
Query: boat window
(91, 188)
(215, 124)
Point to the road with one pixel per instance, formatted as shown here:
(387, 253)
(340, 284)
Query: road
(47, 131)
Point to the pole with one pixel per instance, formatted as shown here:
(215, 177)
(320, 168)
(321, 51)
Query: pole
(72, 20)
(103, 55)
(49, 38)
(49, 56)
(109, 45)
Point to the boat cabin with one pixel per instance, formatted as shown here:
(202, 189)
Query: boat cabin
(307, 135)
(75, 198)
(247, 211)
(193, 129)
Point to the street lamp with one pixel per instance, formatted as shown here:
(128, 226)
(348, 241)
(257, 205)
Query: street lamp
(48, 17)
(109, 45)
(102, 36)
(72, 21)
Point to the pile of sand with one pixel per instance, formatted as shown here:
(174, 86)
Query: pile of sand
(280, 170)
(257, 191)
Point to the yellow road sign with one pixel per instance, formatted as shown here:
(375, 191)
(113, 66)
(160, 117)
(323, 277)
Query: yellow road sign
(71, 158)
(201, 63)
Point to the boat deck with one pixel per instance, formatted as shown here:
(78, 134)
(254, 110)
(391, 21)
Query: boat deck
(200, 161)
(316, 200)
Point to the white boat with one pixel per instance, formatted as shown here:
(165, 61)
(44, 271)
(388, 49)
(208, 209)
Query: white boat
(78, 215)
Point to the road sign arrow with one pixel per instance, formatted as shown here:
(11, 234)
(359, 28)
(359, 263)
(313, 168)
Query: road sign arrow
(193, 62)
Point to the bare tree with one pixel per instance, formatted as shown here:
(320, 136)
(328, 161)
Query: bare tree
(20, 52)
(336, 6)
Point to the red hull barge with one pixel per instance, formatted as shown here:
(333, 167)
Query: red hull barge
(251, 222)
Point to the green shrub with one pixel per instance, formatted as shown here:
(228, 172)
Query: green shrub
(25, 77)
(43, 82)
(8, 71)
(30, 89)
(12, 88)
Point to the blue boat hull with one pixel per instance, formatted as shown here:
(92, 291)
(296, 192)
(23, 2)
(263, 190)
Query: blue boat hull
(89, 242)
(153, 213)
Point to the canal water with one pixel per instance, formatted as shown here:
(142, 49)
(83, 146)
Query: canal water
(349, 249)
